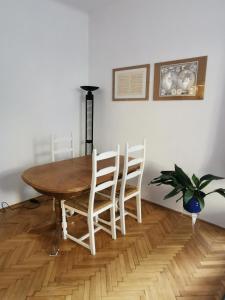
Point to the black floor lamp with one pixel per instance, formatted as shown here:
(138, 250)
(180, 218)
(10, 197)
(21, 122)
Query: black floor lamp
(88, 116)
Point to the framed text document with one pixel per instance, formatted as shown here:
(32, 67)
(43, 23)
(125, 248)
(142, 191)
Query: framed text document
(131, 83)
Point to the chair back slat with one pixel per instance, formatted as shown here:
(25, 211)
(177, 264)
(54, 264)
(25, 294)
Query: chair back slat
(106, 155)
(135, 148)
(64, 150)
(62, 139)
(133, 174)
(135, 161)
(104, 185)
(105, 171)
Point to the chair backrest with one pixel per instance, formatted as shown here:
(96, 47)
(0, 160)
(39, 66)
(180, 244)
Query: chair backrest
(62, 146)
(136, 163)
(111, 171)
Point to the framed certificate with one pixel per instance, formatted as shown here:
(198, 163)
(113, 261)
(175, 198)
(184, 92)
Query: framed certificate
(131, 83)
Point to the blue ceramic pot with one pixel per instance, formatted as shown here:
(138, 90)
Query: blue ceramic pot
(192, 206)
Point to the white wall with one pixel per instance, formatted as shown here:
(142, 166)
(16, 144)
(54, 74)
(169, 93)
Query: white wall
(43, 61)
(189, 133)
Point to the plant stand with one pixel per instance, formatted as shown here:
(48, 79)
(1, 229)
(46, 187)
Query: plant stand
(194, 217)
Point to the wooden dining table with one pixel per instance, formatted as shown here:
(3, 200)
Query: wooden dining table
(64, 179)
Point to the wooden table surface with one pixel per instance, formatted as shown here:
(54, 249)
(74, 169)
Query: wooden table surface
(63, 179)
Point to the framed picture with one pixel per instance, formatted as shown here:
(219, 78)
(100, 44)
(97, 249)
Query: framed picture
(180, 79)
(131, 83)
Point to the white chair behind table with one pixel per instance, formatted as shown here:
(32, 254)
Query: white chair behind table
(61, 148)
(92, 204)
(128, 191)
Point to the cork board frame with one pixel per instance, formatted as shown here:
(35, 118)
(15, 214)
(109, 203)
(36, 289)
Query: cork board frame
(195, 69)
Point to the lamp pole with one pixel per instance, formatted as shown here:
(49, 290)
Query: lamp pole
(89, 99)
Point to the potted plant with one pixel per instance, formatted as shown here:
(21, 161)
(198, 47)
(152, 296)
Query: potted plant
(191, 189)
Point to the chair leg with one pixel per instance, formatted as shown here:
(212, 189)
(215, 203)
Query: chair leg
(91, 235)
(53, 204)
(122, 217)
(64, 223)
(117, 205)
(138, 205)
(113, 222)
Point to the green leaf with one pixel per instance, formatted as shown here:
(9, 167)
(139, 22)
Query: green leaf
(179, 198)
(167, 172)
(196, 180)
(167, 178)
(188, 194)
(183, 178)
(159, 181)
(174, 192)
(210, 177)
(155, 180)
(201, 202)
(204, 184)
(219, 191)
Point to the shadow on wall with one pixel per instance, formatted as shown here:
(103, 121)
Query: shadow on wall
(216, 166)
(216, 163)
(156, 193)
(69, 3)
(12, 185)
(219, 215)
(42, 150)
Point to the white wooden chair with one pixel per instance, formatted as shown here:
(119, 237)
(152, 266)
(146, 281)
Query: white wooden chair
(127, 191)
(61, 147)
(92, 204)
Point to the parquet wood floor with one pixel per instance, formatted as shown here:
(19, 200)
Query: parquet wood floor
(161, 259)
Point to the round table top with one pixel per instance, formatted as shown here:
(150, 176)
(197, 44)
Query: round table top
(64, 178)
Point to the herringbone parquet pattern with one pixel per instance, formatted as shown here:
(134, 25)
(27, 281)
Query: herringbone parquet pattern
(161, 259)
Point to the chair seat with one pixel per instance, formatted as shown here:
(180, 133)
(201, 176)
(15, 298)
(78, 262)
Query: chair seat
(81, 202)
(129, 189)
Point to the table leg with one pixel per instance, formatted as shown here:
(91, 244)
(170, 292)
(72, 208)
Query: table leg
(58, 228)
